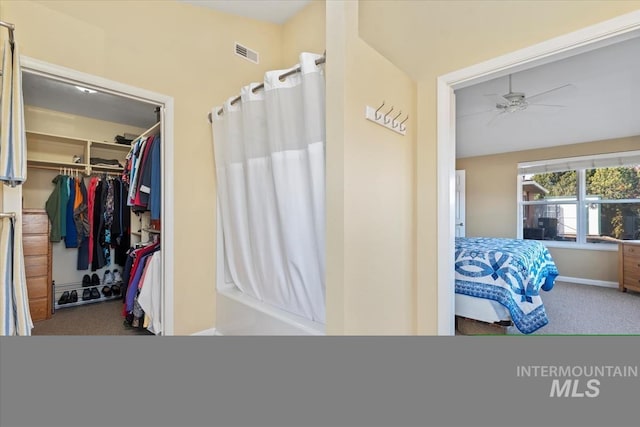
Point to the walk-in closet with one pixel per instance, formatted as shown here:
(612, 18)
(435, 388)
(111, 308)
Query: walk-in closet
(92, 210)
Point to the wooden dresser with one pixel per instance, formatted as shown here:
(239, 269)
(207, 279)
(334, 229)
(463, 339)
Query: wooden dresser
(629, 265)
(37, 262)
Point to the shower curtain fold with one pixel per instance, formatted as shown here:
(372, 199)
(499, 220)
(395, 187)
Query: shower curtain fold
(14, 301)
(270, 168)
(13, 159)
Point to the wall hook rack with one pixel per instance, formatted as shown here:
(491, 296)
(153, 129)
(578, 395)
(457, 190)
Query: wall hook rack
(384, 119)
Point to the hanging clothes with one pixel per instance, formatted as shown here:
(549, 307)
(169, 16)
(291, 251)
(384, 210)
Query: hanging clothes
(81, 216)
(52, 206)
(93, 183)
(150, 297)
(155, 183)
(71, 235)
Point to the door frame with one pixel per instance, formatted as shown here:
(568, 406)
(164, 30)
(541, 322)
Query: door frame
(69, 75)
(599, 35)
(461, 178)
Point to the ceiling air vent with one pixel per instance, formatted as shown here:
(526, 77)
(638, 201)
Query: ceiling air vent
(246, 53)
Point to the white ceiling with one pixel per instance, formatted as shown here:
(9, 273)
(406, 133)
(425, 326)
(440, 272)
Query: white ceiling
(602, 103)
(275, 11)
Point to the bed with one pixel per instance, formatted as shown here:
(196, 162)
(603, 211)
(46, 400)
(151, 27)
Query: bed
(498, 280)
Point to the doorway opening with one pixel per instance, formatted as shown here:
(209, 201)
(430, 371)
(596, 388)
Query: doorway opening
(603, 34)
(91, 153)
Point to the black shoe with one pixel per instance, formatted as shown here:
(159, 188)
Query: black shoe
(86, 294)
(95, 294)
(86, 281)
(74, 296)
(106, 291)
(64, 299)
(115, 289)
(95, 280)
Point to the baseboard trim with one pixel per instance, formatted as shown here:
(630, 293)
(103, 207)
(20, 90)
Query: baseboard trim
(209, 332)
(590, 282)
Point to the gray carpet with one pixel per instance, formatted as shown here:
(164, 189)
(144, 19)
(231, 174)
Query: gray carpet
(100, 318)
(583, 310)
(572, 309)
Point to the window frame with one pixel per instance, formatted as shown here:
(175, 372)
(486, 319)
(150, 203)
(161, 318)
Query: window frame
(579, 164)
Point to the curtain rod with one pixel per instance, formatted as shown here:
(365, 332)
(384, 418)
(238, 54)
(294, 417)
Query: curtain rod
(261, 85)
(11, 28)
(7, 214)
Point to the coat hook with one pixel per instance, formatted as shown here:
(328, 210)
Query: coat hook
(386, 120)
(378, 117)
(403, 128)
(394, 124)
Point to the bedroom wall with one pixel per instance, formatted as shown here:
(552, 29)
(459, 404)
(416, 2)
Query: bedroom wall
(432, 38)
(491, 202)
(177, 50)
(370, 187)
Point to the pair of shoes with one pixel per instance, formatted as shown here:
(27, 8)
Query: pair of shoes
(86, 281)
(117, 278)
(108, 278)
(106, 291)
(65, 298)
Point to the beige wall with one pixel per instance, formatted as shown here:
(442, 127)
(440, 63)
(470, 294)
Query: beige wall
(491, 202)
(370, 187)
(432, 38)
(304, 32)
(178, 50)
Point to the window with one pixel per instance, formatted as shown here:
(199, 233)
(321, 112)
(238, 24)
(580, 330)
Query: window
(593, 199)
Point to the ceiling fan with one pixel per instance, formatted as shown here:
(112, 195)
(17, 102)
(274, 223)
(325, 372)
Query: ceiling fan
(513, 102)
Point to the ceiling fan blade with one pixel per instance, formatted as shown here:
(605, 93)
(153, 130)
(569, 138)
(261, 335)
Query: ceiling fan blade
(477, 113)
(497, 118)
(547, 107)
(547, 92)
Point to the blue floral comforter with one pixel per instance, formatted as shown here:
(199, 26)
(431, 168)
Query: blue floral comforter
(508, 271)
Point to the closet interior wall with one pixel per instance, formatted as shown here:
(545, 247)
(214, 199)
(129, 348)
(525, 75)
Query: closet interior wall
(55, 141)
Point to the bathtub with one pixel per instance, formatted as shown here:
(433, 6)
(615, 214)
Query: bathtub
(240, 314)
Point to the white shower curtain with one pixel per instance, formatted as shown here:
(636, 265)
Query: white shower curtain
(14, 302)
(270, 168)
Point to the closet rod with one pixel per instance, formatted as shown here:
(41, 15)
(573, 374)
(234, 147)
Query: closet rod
(7, 214)
(261, 85)
(59, 168)
(11, 28)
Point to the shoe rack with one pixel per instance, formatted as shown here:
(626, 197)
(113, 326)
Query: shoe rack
(84, 294)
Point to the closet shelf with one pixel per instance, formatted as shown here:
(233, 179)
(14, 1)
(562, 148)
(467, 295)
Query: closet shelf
(78, 141)
(38, 162)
